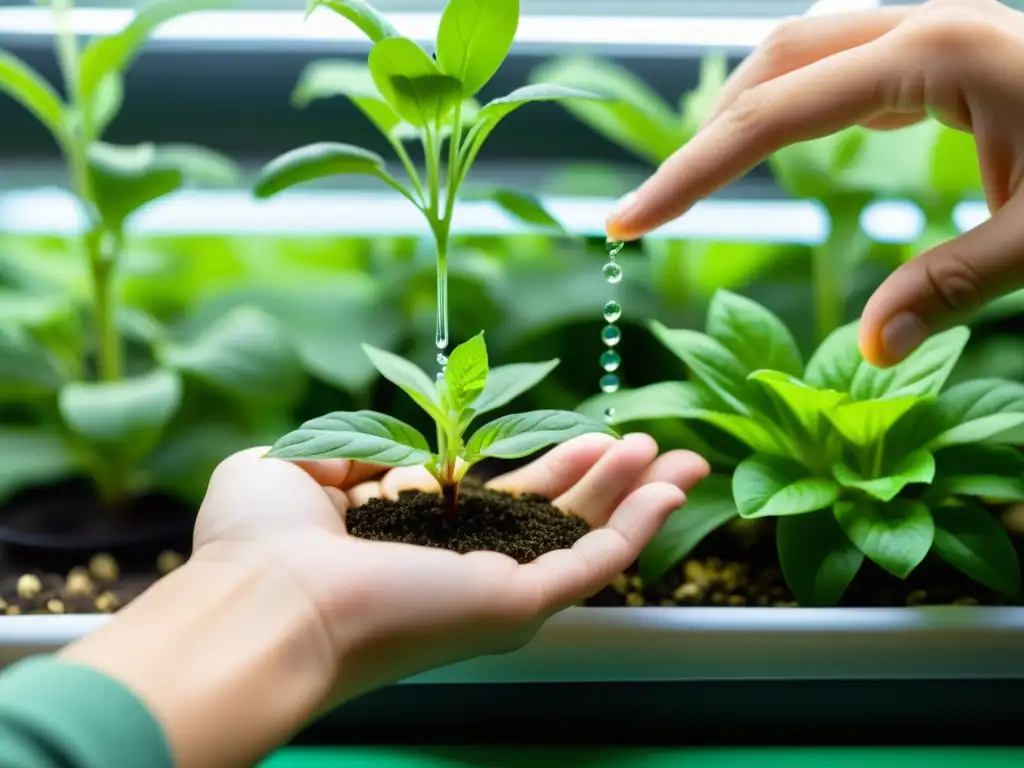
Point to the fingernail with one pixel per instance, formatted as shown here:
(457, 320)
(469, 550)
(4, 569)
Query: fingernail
(902, 335)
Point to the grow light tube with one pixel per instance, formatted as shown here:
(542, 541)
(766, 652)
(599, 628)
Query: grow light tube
(277, 26)
(351, 213)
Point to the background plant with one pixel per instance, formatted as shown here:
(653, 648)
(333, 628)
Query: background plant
(852, 461)
(95, 386)
(468, 389)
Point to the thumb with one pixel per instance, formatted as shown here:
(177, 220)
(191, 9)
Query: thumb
(953, 279)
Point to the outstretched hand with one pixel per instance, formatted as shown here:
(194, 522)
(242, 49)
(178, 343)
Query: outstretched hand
(390, 610)
(958, 60)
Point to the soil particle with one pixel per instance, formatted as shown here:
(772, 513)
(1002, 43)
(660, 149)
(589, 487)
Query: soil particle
(522, 527)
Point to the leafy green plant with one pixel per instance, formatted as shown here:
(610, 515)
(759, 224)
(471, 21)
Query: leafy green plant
(98, 397)
(852, 461)
(468, 389)
(413, 97)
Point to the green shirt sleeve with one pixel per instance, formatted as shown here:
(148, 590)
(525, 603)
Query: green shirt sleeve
(54, 714)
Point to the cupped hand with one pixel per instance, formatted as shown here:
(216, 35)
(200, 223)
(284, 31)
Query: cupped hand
(959, 60)
(390, 610)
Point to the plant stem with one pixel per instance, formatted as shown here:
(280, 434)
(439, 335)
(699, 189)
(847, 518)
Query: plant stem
(108, 340)
(832, 262)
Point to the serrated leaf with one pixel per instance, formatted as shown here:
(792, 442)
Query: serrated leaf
(987, 471)
(116, 412)
(708, 507)
(818, 560)
(26, 86)
(922, 374)
(493, 112)
(896, 536)
(320, 160)
(408, 377)
(918, 467)
(411, 82)
(245, 354)
(507, 382)
(358, 435)
(473, 39)
(521, 434)
(466, 372)
(866, 422)
(370, 21)
(970, 538)
(774, 486)
(754, 335)
(710, 361)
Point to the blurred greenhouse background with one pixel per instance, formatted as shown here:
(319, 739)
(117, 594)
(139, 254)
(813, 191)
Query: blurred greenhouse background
(322, 270)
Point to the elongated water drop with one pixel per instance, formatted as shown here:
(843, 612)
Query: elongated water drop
(441, 332)
(612, 311)
(612, 272)
(609, 383)
(612, 248)
(610, 361)
(611, 335)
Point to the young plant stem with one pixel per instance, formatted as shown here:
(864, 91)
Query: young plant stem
(832, 264)
(103, 252)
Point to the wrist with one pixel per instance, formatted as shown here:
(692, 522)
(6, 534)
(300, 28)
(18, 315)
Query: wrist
(219, 638)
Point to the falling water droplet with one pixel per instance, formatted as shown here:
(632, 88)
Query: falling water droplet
(609, 383)
(610, 361)
(612, 248)
(442, 359)
(612, 272)
(612, 311)
(611, 335)
(609, 413)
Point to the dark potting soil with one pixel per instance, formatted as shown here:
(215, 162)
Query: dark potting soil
(522, 527)
(738, 566)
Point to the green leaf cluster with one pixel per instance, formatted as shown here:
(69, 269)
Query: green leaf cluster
(854, 462)
(468, 389)
(410, 96)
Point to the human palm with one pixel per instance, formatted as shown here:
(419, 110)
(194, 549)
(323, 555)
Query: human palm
(397, 609)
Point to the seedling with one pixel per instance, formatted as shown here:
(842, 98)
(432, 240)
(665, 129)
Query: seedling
(91, 410)
(411, 96)
(852, 461)
(468, 390)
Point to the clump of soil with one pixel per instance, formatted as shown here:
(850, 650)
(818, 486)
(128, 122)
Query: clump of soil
(97, 587)
(523, 527)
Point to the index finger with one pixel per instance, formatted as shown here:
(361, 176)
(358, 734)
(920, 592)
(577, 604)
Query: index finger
(834, 93)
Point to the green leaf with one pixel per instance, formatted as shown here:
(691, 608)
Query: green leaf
(326, 79)
(818, 560)
(507, 382)
(245, 354)
(754, 335)
(520, 434)
(970, 538)
(27, 87)
(696, 106)
(632, 116)
(988, 471)
(977, 411)
(835, 362)
(466, 372)
(492, 113)
(106, 103)
(708, 506)
(710, 361)
(317, 161)
(114, 53)
(369, 21)
(125, 411)
(473, 38)
(896, 536)
(408, 377)
(411, 82)
(26, 367)
(918, 467)
(125, 178)
(807, 404)
(33, 456)
(359, 435)
(866, 422)
(667, 400)
(773, 486)
(922, 374)
(526, 208)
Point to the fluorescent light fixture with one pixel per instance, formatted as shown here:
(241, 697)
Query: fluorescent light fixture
(286, 26)
(352, 213)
